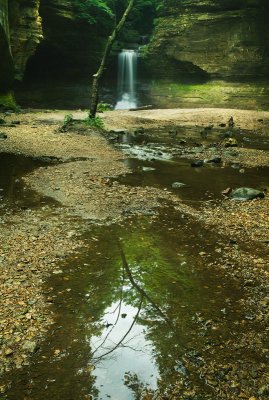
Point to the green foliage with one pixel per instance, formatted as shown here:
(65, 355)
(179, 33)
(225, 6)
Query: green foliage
(96, 122)
(104, 107)
(94, 11)
(104, 14)
(68, 119)
(7, 102)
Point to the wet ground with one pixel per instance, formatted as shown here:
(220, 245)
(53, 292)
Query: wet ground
(139, 309)
(13, 193)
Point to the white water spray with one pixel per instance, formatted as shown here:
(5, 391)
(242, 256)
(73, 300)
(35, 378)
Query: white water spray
(127, 80)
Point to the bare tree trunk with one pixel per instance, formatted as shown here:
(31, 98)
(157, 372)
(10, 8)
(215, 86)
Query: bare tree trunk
(99, 73)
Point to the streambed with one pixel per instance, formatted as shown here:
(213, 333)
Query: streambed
(156, 316)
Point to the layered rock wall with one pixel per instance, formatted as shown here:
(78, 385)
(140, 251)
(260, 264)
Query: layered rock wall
(25, 32)
(6, 62)
(226, 39)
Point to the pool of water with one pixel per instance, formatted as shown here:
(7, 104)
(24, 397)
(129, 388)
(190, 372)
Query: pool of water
(157, 160)
(138, 310)
(129, 312)
(13, 192)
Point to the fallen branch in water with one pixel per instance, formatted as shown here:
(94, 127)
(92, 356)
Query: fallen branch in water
(139, 289)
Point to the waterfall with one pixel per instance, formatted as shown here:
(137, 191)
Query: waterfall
(127, 65)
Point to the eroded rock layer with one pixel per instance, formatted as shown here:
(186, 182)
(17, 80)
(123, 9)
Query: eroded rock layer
(6, 63)
(26, 32)
(218, 38)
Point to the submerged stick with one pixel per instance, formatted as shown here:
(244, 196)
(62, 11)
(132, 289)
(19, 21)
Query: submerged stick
(138, 288)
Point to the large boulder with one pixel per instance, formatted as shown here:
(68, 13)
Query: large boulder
(245, 193)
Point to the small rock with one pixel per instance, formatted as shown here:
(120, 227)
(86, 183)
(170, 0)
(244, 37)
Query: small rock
(231, 142)
(3, 135)
(245, 193)
(197, 164)
(139, 131)
(178, 185)
(226, 191)
(30, 346)
(215, 160)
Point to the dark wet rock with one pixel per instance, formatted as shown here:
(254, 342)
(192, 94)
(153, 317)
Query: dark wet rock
(197, 164)
(214, 160)
(2, 121)
(118, 132)
(222, 125)
(231, 142)
(3, 135)
(245, 193)
(182, 141)
(178, 185)
(16, 122)
(139, 131)
(226, 135)
(209, 127)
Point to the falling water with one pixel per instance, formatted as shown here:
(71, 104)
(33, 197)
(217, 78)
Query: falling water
(127, 80)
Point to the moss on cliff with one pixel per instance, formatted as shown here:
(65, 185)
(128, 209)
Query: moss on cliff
(7, 101)
(169, 94)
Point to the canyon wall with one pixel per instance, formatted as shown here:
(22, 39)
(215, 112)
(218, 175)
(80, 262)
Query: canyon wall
(224, 39)
(6, 62)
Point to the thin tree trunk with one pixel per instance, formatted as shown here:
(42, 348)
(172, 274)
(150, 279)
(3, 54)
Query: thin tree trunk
(99, 73)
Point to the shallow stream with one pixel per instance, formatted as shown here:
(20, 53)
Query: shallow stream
(140, 308)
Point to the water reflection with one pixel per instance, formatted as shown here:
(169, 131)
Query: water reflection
(121, 330)
(120, 349)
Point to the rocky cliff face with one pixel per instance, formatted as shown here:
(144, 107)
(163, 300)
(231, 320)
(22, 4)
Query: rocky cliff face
(46, 37)
(25, 32)
(69, 46)
(6, 64)
(226, 39)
